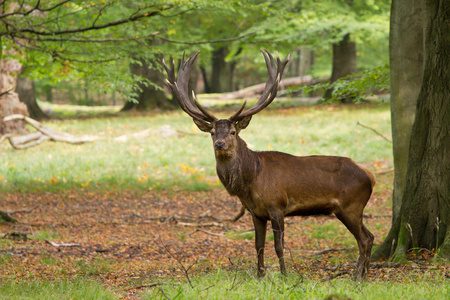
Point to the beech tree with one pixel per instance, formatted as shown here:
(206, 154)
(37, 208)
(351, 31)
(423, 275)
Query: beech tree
(423, 220)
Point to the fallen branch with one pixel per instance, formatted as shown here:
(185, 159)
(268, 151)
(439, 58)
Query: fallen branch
(25, 210)
(143, 286)
(43, 134)
(370, 128)
(62, 245)
(338, 274)
(4, 137)
(202, 224)
(207, 232)
(312, 252)
(255, 90)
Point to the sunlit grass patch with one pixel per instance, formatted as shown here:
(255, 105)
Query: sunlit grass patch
(242, 284)
(184, 160)
(79, 289)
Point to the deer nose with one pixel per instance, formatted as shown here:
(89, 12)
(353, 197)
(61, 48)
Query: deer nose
(219, 145)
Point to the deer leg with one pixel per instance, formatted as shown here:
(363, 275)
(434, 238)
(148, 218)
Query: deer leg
(260, 240)
(364, 238)
(278, 233)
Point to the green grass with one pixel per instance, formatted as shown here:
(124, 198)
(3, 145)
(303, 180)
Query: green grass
(186, 160)
(80, 289)
(241, 285)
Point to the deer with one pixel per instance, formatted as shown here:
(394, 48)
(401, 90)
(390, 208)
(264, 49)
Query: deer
(273, 185)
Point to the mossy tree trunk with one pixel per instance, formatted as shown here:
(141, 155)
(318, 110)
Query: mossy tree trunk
(424, 216)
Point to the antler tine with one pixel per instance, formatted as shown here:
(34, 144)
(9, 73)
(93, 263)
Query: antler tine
(180, 88)
(274, 73)
(202, 109)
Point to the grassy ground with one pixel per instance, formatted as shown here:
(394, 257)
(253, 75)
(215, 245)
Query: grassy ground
(185, 160)
(149, 217)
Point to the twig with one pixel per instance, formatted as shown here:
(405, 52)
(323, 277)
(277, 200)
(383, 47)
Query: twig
(384, 171)
(312, 252)
(370, 216)
(207, 232)
(202, 224)
(180, 263)
(162, 292)
(62, 245)
(338, 274)
(144, 286)
(370, 128)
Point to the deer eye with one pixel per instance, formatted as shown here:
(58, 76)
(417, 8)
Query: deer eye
(212, 133)
(233, 133)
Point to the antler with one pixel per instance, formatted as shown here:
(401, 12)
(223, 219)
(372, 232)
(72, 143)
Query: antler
(179, 87)
(270, 91)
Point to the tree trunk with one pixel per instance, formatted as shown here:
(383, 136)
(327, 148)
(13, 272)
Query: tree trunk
(27, 95)
(424, 217)
(221, 80)
(302, 62)
(9, 99)
(406, 65)
(344, 64)
(149, 97)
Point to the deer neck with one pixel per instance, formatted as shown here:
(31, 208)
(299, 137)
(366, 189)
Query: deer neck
(237, 170)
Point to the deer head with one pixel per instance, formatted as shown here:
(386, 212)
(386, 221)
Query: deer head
(224, 132)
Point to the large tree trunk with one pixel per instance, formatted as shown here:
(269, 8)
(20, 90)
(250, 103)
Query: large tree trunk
(424, 218)
(27, 95)
(9, 99)
(344, 64)
(149, 97)
(221, 79)
(406, 65)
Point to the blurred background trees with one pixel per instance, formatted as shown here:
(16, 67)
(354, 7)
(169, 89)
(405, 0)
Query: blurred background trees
(109, 52)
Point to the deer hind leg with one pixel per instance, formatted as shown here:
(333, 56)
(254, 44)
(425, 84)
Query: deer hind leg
(364, 239)
(278, 233)
(260, 240)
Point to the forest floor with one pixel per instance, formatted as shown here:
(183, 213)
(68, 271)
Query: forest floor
(132, 241)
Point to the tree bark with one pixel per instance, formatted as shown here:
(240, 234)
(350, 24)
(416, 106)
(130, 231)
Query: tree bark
(344, 64)
(9, 99)
(424, 217)
(406, 65)
(27, 95)
(222, 79)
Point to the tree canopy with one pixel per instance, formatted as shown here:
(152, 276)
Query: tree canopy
(98, 40)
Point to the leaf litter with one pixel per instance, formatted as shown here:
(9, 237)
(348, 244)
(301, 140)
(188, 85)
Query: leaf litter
(130, 241)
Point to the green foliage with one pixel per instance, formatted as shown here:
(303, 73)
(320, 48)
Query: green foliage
(240, 284)
(357, 87)
(184, 160)
(78, 289)
(62, 42)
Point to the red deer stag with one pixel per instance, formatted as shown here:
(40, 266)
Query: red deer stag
(272, 185)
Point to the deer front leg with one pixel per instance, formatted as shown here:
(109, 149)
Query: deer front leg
(260, 239)
(278, 234)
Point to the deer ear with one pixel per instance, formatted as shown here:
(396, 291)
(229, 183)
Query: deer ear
(206, 127)
(242, 124)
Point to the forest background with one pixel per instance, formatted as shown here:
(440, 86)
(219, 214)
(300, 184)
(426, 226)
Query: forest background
(94, 68)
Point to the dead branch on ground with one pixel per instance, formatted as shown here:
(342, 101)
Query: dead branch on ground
(61, 245)
(42, 134)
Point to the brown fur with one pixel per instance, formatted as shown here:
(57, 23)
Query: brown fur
(272, 185)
